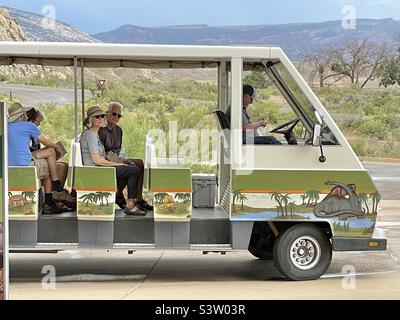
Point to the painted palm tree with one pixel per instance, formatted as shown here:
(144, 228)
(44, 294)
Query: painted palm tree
(236, 195)
(242, 198)
(188, 197)
(29, 195)
(101, 196)
(88, 198)
(277, 197)
(376, 197)
(285, 198)
(159, 197)
(181, 196)
(363, 198)
(291, 206)
(313, 197)
(303, 199)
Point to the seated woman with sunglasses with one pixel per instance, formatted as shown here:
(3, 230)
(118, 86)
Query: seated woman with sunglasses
(93, 154)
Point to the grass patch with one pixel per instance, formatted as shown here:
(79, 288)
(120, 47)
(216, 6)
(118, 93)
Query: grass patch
(27, 209)
(180, 210)
(94, 209)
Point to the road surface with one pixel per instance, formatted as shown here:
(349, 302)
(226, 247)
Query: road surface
(34, 96)
(160, 274)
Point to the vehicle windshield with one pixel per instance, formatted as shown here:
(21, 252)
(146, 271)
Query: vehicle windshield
(302, 103)
(297, 93)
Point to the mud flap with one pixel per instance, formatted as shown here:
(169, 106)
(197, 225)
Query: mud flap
(358, 244)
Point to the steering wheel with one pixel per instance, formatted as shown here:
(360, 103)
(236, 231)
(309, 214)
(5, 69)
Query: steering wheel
(288, 132)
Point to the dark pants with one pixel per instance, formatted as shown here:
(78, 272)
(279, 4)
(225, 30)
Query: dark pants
(139, 163)
(263, 140)
(127, 176)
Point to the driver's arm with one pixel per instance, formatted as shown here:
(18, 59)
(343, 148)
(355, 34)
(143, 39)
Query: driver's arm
(254, 125)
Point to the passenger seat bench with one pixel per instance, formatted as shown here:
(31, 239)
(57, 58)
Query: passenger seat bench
(170, 184)
(95, 190)
(23, 203)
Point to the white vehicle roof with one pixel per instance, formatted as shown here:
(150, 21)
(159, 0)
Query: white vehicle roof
(99, 55)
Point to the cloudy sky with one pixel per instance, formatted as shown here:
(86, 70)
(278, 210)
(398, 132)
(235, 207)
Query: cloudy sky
(95, 16)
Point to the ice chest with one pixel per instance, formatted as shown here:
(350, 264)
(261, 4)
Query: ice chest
(203, 190)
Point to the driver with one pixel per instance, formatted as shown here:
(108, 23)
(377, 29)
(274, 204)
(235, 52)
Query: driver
(249, 127)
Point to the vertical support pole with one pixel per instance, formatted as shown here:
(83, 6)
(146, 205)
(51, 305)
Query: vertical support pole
(76, 96)
(83, 90)
(236, 112)
(222, 86)
(223, 163)
(4, 202)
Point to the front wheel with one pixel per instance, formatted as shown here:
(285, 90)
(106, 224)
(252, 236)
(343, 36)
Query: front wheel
(302, 252)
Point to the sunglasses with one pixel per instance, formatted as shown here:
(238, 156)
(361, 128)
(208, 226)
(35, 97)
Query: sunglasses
(100, 116)
(117, 115)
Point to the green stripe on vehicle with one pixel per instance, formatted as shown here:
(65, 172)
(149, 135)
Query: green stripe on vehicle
(21, 177)
(95, 178)
(170, 179)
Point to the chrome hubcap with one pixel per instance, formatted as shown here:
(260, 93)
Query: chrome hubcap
(305, 252)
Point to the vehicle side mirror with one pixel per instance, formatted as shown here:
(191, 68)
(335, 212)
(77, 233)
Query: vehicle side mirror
(316, 141)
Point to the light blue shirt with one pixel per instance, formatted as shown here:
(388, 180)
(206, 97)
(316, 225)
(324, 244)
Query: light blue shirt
(19, 135)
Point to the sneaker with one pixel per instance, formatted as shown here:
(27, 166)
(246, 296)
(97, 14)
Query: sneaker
(51, 209)
(63, 196)
(64, 207)
(135, 211)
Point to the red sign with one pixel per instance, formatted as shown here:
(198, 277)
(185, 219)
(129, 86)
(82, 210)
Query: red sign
(101, 83)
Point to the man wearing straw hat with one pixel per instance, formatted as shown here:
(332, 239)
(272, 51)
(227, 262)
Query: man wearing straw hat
(20, 132)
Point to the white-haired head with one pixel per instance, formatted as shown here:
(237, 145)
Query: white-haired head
(115, 105)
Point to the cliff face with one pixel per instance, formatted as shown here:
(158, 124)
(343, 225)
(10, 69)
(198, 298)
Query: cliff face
(31, 24)
(11, 31)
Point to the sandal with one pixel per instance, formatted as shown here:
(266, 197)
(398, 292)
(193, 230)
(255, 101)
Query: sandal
(145, 205)
(135, 211)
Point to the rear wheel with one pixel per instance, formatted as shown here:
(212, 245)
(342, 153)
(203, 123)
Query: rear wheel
(303, 252)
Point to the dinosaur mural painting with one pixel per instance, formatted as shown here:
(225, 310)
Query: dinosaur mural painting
(342, 201)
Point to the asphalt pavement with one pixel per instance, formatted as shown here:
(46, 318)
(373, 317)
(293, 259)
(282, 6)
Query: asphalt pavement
(35, 96)
(172, 274)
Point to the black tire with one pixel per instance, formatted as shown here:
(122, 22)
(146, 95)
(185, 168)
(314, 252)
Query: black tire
(312, 237)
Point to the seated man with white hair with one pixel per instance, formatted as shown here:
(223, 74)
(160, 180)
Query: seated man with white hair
(111, 138)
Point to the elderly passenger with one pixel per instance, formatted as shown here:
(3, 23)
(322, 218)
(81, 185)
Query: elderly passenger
(111, 138)
(93, 154)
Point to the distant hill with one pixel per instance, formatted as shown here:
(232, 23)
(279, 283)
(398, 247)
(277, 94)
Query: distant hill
(31, 24)
(294, 38)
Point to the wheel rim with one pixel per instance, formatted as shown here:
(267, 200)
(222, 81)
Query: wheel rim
(305, 252)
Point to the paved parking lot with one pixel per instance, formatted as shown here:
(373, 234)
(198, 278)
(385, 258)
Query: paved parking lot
(162, 274)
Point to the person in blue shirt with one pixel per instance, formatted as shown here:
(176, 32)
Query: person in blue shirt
(36, 117)
(20, 132)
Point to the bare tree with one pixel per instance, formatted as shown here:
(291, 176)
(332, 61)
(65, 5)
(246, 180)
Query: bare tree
(321, 63)
(360, 58)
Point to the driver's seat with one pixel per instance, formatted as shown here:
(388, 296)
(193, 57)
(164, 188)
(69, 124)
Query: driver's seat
(222, 119)
(225, 127)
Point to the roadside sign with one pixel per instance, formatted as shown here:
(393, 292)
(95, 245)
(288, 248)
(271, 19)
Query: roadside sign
(102, 83)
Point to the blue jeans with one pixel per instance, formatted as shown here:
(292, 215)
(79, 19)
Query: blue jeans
(263, 140)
